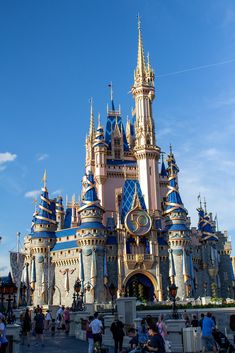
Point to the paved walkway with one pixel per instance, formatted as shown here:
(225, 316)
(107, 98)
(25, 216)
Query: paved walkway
(57, 344)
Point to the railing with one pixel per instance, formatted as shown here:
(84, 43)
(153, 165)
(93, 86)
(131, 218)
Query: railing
(139, 257)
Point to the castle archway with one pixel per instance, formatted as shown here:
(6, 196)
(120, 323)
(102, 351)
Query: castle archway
(142, 285)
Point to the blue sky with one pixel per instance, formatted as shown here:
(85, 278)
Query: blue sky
(57, 54)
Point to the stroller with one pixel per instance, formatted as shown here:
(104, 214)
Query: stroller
(222, 342)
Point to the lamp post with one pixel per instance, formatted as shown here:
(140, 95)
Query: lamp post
(8, 291)
(78, 304)
(173, 293)
(205, 288)
(233, 287)
(112, 291)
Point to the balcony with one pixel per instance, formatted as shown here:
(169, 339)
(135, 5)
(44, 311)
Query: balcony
(146, 260)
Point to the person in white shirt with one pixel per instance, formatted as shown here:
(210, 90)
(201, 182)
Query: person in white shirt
(59, 317)
(47, 320)
(96, 328)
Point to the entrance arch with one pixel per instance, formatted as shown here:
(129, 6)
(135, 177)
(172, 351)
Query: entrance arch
(141, 284)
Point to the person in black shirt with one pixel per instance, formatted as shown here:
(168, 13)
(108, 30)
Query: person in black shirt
(118, 334)
(194, 321)
(133, 343)
(156, 342)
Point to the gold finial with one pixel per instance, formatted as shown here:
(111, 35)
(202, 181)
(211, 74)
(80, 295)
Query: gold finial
(99, 124)
(141, 60)
(92, 125)
(170, 148)
(73, 199)
(139, 22)
(35, 205)
(148, 61)
(205, 205)
(44, 179)
(111, 90)
(199, 199)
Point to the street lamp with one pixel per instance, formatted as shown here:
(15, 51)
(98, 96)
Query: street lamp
(112, 291)
(205, 288)
(78, 304)
(173, 293)
(7, 290)
(233, 287)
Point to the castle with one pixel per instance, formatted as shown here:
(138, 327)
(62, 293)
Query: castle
(130, 228)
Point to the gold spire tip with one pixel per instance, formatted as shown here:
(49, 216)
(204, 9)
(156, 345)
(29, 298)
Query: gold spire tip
(44, 179)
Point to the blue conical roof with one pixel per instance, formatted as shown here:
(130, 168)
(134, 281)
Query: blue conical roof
(44, 219)
(174, 202)
(205, 226)
(90, 198)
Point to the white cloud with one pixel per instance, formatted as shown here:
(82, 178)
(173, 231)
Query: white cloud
(56, 192)
(42, 157)
(6, 157)
(32, 194)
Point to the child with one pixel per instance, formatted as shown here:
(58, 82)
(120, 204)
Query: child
(53, 327)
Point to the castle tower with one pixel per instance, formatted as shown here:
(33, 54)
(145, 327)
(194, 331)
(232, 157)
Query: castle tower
(146, 151)
(210, 256)
(91, 240)
(60, 213)
(100, 152)
(90, 140)
(130, 135)
(41, 241)
(178, 233)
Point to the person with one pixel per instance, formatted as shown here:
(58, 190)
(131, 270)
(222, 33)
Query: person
(26, 326)
(66, 319)
(59, 317)
(89, 335)
(201, 320)
(133, 343)
(162, 327)
(96, 328)
(3, 339)
(207, 338)
(156, 342)
(39, 326)
(194, 322)
(118, 334)
(142, 332)
(47, 320)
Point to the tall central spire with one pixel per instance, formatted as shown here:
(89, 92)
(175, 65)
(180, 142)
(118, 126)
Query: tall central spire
(141, 67)
(92, 124)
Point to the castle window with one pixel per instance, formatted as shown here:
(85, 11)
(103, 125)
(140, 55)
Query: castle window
(67, 238)
(117, 154)
(150, 171)
(116, 142)
(39, 239)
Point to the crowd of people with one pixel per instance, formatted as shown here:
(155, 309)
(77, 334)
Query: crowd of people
(149, 336)
(36, 323)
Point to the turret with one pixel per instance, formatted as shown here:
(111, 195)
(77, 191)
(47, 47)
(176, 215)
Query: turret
(42, 240)
(178, 233)
(210, 256)
(100, 151)
(91, 239)
(130, 134)
(145, 150)
(60, 212)
(90, 140)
